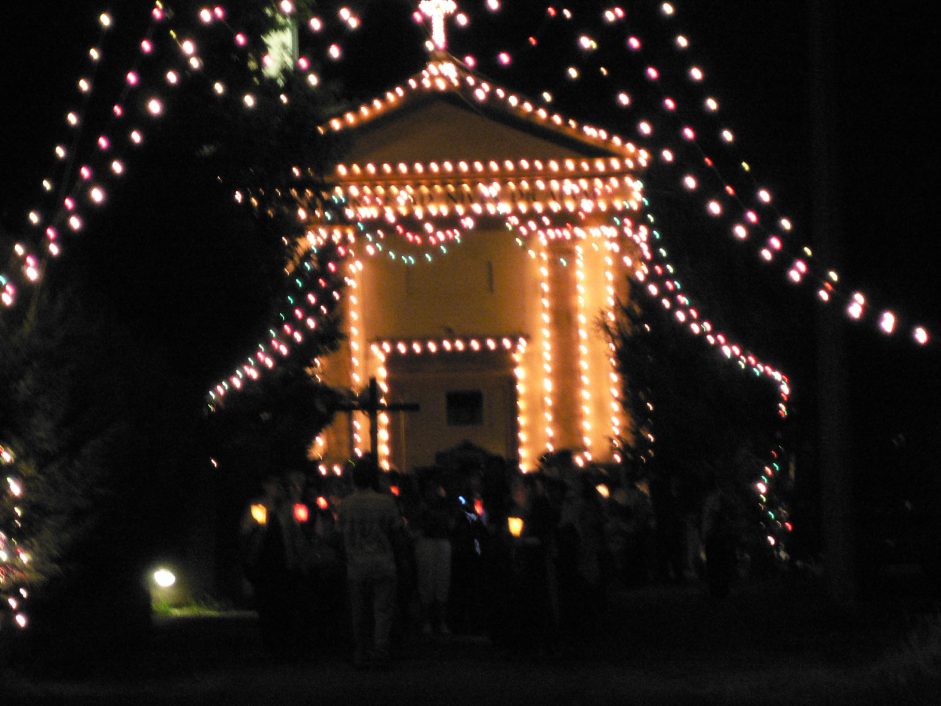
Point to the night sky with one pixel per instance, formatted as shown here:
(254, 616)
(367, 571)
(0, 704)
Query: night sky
(755, 53)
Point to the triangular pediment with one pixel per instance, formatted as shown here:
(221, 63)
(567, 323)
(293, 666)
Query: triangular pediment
(448, 113)
(440, 127)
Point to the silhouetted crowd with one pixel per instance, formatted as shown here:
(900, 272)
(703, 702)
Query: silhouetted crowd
(369, 559)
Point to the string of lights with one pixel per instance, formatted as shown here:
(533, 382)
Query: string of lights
(726, 203)
(658, 276)
(67, 212)
(14, 557)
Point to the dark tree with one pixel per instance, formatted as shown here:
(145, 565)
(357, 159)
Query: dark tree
(698, 419)
(99, 439)
(104, 371)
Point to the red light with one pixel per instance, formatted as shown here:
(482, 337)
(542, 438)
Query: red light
(790, 527)
(301, 513)
(479, 507)
(395, 490)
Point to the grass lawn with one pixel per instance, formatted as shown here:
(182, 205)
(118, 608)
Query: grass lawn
(778, 642)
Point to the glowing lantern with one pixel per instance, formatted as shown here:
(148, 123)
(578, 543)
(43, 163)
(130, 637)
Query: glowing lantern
(164, 578)
(259, 514)
(301, 513)
(515, 525)
(322, 503)
(603, 490)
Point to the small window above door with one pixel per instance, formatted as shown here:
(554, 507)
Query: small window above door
(465, 408)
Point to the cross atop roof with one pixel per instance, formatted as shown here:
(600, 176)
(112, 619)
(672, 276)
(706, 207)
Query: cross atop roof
(438, 11)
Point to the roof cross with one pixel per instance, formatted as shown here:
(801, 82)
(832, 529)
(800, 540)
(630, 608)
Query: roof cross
(438, 11)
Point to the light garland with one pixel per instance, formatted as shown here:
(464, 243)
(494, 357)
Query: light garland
(522, 416)
(75, 218)
(727, 202)
(448, 76)
(761, 199)
(615, 383)
(546, 315)
(307, 310)
(14, 558)
(68, 215)
(357, 361)
(383, 350)
(583, 364)
(656, 273)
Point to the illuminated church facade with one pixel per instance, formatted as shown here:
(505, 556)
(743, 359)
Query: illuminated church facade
(488, 245)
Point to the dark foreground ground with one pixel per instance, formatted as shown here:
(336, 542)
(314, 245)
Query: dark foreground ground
(773, 643)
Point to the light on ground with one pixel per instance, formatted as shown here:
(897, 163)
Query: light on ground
(164, 578)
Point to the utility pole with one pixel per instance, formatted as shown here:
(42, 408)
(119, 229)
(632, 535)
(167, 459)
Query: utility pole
(833, 409)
